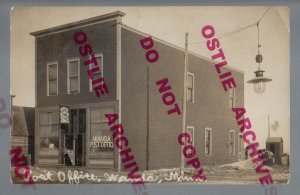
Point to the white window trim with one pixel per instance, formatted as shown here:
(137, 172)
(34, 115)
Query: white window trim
(68, 78)
(193, 136)
(231, 130)
(49, 64)
(233, 104)
(193, 91)
(101, 69)
(211, 141)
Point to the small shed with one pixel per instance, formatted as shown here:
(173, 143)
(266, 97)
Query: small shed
(275, 145)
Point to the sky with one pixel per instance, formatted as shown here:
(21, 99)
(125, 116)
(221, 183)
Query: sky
(171, 24)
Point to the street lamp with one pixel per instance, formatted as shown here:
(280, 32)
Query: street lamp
(259, 81)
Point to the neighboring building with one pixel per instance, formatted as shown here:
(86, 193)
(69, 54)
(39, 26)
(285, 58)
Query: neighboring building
(275, 145)
(61, 80)
(22, 134)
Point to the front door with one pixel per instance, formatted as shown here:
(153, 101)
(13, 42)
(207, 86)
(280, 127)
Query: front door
(74, 139)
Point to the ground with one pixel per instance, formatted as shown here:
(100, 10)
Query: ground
(242, 172)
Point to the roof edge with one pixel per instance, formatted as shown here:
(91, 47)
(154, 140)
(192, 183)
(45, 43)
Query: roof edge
(180, 48)
(79, 23)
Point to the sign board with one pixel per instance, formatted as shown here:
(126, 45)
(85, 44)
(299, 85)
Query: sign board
(64, 115)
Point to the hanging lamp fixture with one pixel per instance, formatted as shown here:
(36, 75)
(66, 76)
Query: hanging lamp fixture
(259, 81)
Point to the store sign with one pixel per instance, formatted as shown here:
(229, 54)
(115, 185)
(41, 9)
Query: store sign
(102, 142)
(64, 115)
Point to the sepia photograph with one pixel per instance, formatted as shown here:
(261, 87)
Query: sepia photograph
(160, 95)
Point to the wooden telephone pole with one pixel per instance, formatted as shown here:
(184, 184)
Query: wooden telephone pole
(183, 128)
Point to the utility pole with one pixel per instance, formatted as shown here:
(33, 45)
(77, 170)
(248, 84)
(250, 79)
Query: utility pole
(269, 126)
(183, 128)
(148, 108)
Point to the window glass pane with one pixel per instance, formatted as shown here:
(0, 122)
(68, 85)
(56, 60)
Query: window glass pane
(53, 87)
(231, 148)
(207, 142)
(52, 72)
(96, 75)
(44, 118)
(231, 98)
(101, 141)
(74, 85)
(73, 68)
(231, 93)
(190, 81)
(189, 95)
(96, 116)
(82, 121)
(49, 131)
(207, 136)
(106, 111)
(49, 145)
(53, 118)
(231, 136)
(99, 60)
(100, 64)
(191, 132)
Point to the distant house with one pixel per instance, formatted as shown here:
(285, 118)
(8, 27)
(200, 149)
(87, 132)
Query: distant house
(62, 81)
(22, 134)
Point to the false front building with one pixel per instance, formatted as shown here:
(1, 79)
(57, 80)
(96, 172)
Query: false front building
(69, 117)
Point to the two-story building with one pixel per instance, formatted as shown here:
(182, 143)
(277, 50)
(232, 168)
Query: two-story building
(62, 80)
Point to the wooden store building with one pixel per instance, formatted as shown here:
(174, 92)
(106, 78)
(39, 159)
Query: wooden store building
(69, 117)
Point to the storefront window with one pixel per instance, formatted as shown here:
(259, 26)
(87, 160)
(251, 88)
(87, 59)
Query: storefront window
(49, 133)
(101, 142)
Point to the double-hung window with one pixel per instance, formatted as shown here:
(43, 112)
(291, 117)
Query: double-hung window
(190, 87)
(98, 74)
(231, 142)
(190, 131)
(73, 76)
(208, 141)
(52, 78)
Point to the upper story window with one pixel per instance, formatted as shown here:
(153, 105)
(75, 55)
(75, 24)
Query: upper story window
(190, 87)
(52, 78)
(231, 142)
(231, 97)
(73, 76)
(208, 141)
(98, 74)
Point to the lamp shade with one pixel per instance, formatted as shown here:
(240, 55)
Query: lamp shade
(259, 82)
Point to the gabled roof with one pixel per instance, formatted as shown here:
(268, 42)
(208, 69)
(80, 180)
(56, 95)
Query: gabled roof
(274, 139)
(79, 23)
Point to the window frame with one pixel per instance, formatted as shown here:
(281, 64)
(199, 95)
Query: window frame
(231, 100)
(49, 124)
(231, 131)
(48, 83)
(211, 141)
(68, 75)
(102, 122)
(101, 69)
(193, 89)
(193, 136)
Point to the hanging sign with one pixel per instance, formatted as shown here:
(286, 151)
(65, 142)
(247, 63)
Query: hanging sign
(64, 115)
